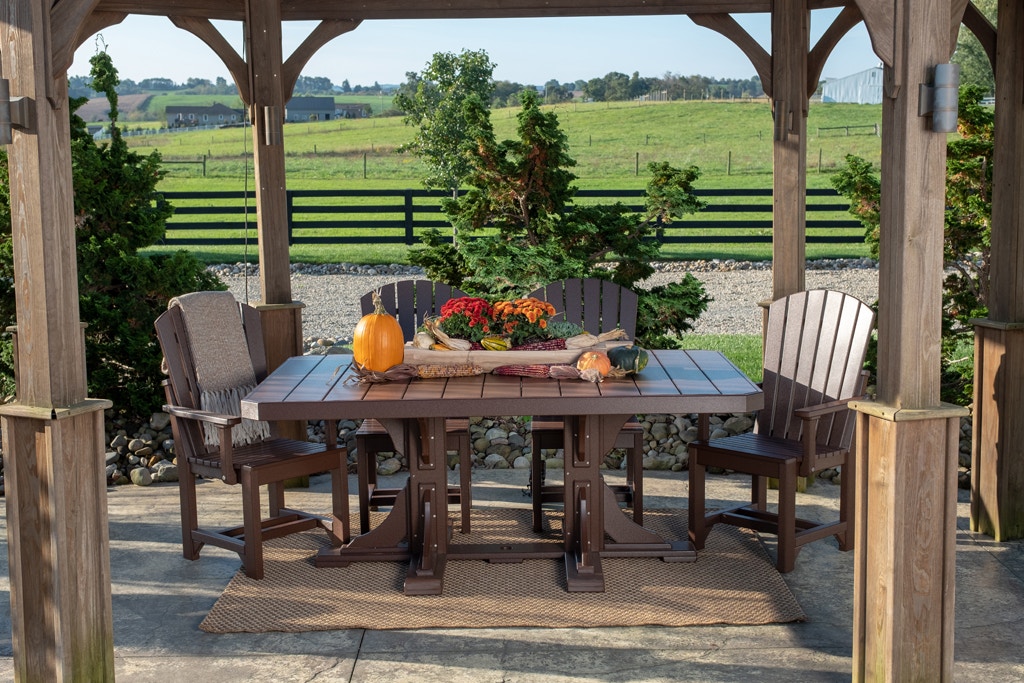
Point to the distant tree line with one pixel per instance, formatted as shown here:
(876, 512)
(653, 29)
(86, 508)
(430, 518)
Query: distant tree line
(611, 87)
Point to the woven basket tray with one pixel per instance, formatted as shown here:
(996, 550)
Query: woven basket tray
(488, 360)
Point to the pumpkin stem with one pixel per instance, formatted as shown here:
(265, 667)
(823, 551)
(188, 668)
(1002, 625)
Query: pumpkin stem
(378, 304)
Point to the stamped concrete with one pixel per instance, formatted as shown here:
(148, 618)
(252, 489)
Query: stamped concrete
(159, 599)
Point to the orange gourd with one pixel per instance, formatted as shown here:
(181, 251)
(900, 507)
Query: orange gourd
(377, 343)
(594, 360)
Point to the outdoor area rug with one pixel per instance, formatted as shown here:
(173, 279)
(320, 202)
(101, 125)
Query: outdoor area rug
(733, 581)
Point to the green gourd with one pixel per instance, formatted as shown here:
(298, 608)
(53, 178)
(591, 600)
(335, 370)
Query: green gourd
(631, 359)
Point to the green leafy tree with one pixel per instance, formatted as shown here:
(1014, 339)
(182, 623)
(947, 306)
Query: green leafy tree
(523, 231)
(121, 292)
(433, 101)
(967, 231)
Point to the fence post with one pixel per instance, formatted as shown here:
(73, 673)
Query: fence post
(636, 169)
(408, 218)
(290, 212)
(204, 165)
(364, 165)
(728, 164)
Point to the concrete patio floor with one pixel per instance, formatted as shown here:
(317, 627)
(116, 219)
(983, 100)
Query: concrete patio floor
(159, 599)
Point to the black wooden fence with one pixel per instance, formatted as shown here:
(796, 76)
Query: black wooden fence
(401, 216)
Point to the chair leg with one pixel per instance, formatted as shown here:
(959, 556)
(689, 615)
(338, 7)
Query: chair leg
(635, 476)
(787, 517)
(252, 555)
(698, 528)
(536, 488)
(189, 513)
(759, 492)
(275, 491)
(465, 480)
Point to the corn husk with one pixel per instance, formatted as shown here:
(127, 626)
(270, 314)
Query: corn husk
(457, 344)
(581, 341)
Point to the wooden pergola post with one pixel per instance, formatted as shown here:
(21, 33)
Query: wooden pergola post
(790, 42)
(907, 441)
(282, 318)
(61, 615)
(997, 470)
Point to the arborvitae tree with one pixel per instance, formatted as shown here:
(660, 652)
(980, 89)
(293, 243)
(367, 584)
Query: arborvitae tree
(117, 213)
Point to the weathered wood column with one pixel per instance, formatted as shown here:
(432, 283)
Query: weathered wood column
(790, 43)
(997, 470)
(907, 441)
(61, 616)
(281, 317)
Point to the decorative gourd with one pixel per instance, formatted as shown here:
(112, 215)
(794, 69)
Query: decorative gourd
(377, 343)
(629, 359)
(594, 360)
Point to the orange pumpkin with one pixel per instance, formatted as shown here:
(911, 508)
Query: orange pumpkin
(377, 343)
(596, 360)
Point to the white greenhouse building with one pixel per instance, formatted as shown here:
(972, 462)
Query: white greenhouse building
(864, 87)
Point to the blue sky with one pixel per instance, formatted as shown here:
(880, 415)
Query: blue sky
(527, 51)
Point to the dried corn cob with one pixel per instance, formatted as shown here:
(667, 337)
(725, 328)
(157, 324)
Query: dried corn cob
(546, 345)
(435, 329)
(535, 370)
(613, 335)
(563, 372)
(431, 370)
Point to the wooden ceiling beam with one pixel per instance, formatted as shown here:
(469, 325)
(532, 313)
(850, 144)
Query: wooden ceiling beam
(316, 10)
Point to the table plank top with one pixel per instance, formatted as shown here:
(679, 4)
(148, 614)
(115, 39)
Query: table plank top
(674, 382)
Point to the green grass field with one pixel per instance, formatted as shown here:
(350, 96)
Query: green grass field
(612, 144)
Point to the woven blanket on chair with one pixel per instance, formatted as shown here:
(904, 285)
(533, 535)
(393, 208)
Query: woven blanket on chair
(223, 367)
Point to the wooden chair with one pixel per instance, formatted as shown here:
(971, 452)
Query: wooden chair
(814, 352)
(268, 462)
(597, 306)
(410, 301)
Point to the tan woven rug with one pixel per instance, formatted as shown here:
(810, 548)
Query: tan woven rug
(733, 581)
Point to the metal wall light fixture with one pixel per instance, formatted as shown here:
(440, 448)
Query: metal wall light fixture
(940, 100)
(13, 112)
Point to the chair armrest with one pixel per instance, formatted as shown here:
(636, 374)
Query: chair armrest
(224, 423)
(813, 412)
(216, 419)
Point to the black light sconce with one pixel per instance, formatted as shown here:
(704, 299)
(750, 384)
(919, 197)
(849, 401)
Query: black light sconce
(940, 100)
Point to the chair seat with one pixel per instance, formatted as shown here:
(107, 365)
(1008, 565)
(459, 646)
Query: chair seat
(262, 454)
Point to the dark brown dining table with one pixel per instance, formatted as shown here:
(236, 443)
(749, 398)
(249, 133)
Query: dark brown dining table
(414, 411)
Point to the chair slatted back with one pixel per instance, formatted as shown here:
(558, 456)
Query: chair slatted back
(182, 387)
(597, 305)
(412, 301)
(815, 346)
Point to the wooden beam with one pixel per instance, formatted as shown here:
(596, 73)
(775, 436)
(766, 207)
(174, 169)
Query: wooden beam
(61, 615)
(318, 10)
(908, 441)
(983, 30)
(265, 63)
(325, 32)
(849, 17)
(730, 28)
(997, 471)
(790, 44)
(205, 31)
(879, 17)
